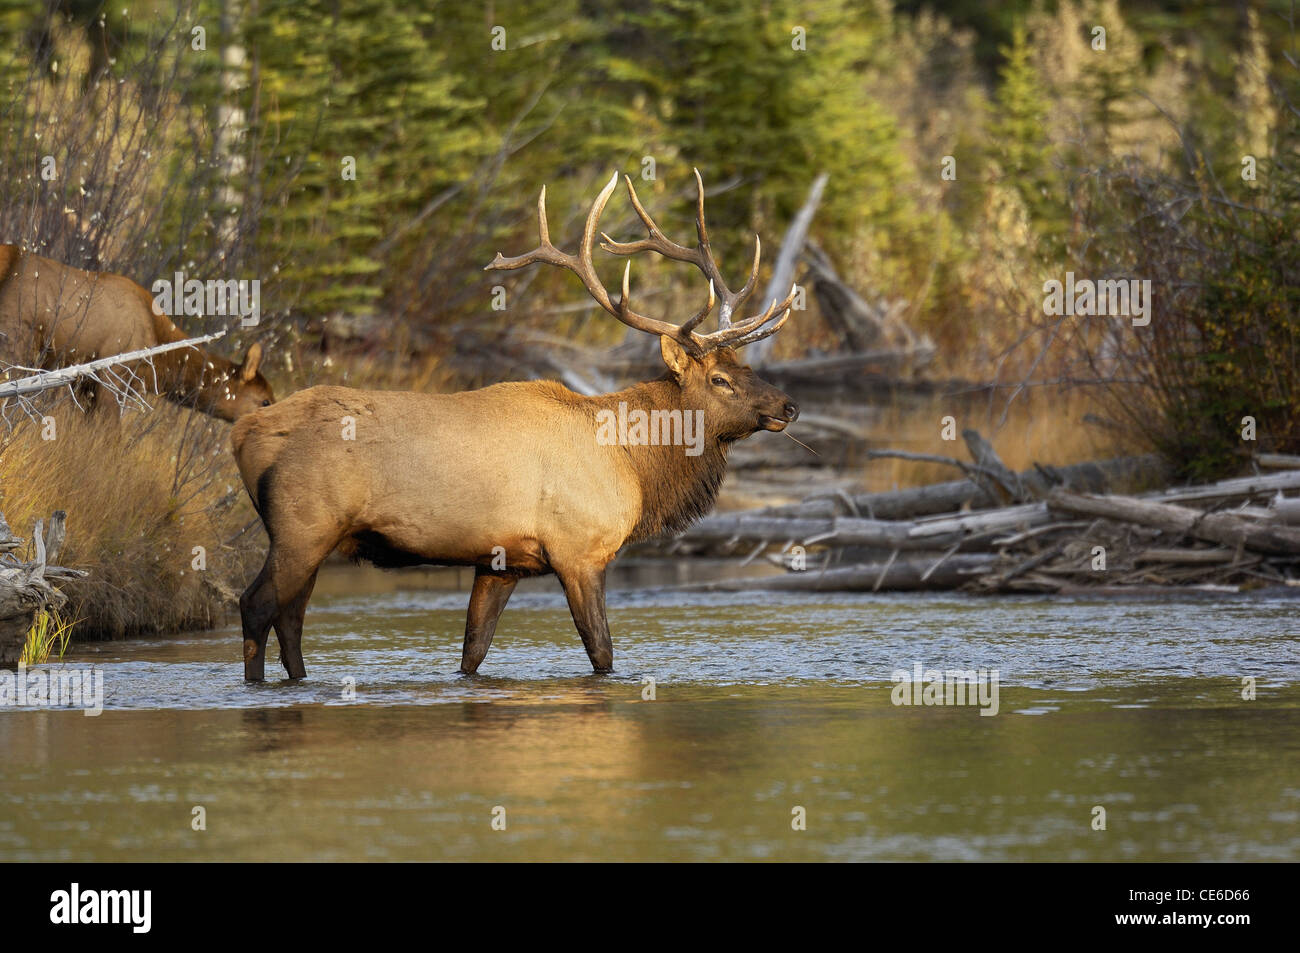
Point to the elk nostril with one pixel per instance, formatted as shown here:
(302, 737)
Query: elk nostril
(791, 411)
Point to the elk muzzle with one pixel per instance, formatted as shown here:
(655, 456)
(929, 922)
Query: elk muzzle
(776, 422)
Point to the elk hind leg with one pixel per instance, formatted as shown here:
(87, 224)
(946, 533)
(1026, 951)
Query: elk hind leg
(288, 630)
(284, 577)
(256, 612)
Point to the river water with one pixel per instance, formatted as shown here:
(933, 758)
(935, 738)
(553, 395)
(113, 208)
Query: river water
(770, 713)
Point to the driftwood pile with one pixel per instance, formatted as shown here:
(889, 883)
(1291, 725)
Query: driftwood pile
(1050, 529)
(26, 587)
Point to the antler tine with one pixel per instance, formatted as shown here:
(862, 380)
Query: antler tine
(623, 301)
(593, 220)
(701, 256)
(657, 242)
(545, 252)
(744, 292)
(542, 229)
(701, 230)
(752, 329)
(700, 315)
(730, 301)
(581, 265)
(765, 332)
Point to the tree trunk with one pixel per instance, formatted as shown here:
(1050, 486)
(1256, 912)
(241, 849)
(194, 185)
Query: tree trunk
(783, 270)
(232, 124)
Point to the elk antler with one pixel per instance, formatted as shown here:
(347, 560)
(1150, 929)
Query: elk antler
(728, 334)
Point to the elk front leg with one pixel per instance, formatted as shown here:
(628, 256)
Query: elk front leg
(488, 599)
(585, 589)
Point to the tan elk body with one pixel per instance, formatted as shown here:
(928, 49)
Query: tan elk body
(65, 315)
(512, 479)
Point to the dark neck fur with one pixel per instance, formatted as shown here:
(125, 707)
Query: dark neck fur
(676, 489)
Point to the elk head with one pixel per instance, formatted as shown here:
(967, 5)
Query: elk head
(230, 390)
(735, 401)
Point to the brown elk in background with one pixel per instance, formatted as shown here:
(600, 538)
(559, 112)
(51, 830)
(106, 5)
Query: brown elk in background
(65, 315)
(515, 472)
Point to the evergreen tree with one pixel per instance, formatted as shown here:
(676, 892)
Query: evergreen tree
(1019, 136)
(360, 113)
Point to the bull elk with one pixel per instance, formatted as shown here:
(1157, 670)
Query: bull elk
(71, 316)
(521, 470)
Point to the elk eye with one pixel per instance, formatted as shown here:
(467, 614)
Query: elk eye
(266, 403)
(721, 382)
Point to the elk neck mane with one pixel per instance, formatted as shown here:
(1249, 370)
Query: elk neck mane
(676, 489)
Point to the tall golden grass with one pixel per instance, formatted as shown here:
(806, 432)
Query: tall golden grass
(141, 495)
(1046, 426)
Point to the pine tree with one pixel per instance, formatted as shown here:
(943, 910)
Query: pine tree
(1021, 148)
(361, 118)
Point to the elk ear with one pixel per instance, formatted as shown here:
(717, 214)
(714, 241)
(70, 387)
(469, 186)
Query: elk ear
(248, 370)
(675, 356)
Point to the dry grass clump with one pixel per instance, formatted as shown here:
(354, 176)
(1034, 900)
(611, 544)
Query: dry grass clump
(1046, 426)
(156, 515)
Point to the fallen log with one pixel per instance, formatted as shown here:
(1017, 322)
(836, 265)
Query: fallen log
(839, 531)
(943, 499)
(892, 504)
(896, 574)
(1186, 556)
(1233, 489)
(1038, 545)
(783, 269)
(1022, 517)
(40, 381)
(991, 472)
(1278, 461)
(1181, 521)
(1092, 477)
(858, 324)
(1285, 509)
